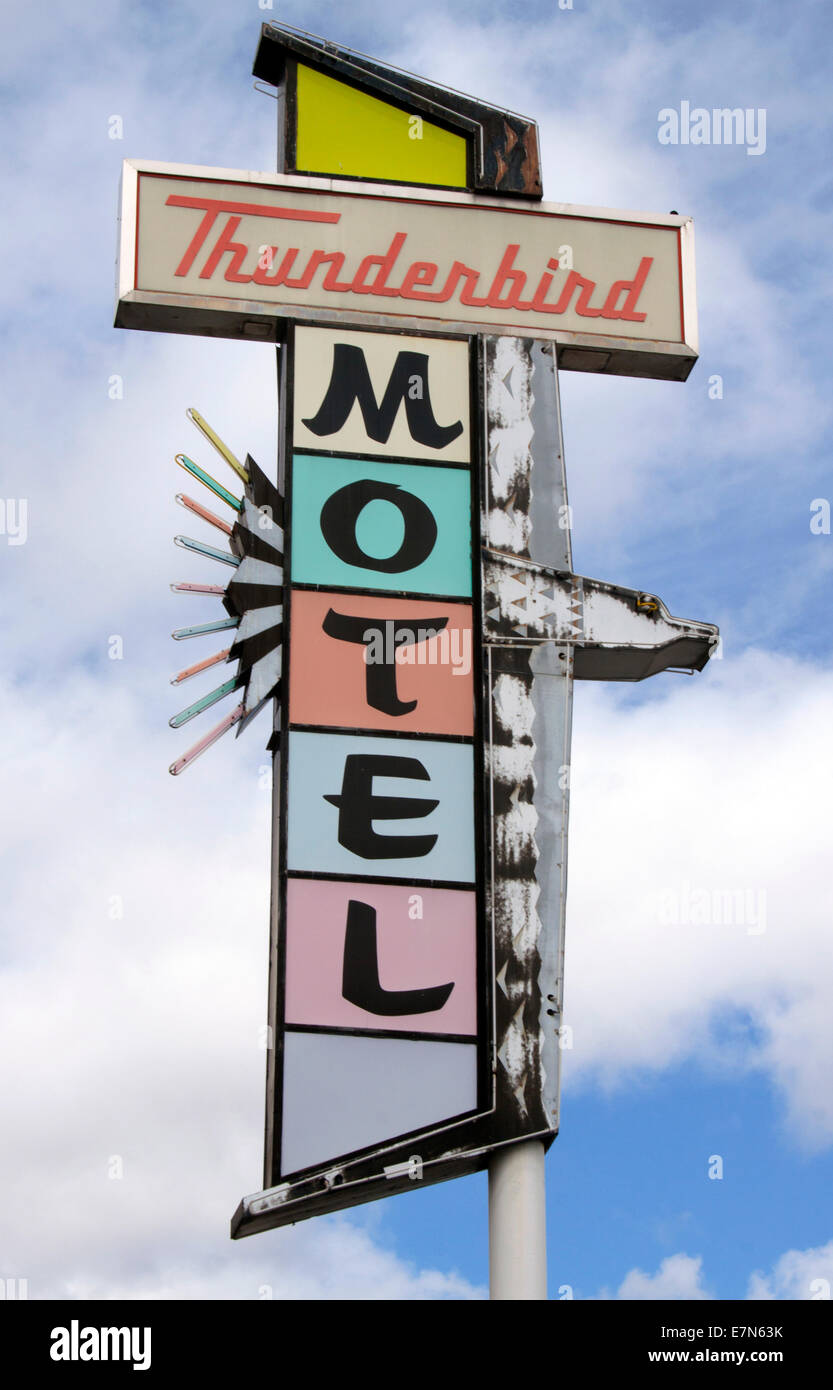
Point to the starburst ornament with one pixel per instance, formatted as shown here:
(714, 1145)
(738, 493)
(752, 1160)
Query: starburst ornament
(252, 598)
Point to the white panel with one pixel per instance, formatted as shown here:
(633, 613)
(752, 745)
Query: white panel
(263, 678)
(257, 620)
(448, 391)
(259, 524)
(200, 236)
(345, 1093)
(253, 571)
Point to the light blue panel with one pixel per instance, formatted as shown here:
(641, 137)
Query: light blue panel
(341, 1094)
(316, 770)
(445, 491)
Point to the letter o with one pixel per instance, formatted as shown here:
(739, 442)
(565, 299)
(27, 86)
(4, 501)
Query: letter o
(341, 512)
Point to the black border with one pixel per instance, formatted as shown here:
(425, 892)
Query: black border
(378, 458)
(327, 876)
(384, 593)
(298, 728)
(278, 963)
(409, 1034)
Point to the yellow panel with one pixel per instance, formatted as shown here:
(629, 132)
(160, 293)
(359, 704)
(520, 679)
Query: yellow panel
(345, 131)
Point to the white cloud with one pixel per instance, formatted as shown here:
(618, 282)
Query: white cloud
(329, 1258)
(798, 1274)
(132, 1072)
(714, 786)
(678, 1277)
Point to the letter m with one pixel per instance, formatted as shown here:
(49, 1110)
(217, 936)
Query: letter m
(727, 126)
(350, 382)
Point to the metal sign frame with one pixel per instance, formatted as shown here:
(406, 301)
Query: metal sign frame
(311, 1179)
(517, 1098)
(218, 315)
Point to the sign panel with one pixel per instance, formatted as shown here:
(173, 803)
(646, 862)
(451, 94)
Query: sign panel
(417, 928)
(214, 251)
(344, 129)
(415, 671)
(420, 939)
(381, 938)
(365, 502)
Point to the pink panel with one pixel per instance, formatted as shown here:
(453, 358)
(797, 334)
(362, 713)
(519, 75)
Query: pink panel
(412, 953)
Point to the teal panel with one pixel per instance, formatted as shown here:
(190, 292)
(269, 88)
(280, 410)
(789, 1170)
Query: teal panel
(444, 562)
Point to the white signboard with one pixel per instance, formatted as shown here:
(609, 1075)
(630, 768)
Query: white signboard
(227, 253)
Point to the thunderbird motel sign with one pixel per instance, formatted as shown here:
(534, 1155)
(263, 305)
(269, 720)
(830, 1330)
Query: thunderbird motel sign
(212, 251)
(402, 600)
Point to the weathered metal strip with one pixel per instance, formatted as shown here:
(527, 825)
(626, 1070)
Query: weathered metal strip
(529, 694)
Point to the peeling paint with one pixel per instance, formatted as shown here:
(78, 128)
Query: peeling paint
(533, 619)
(622, 634)
(513, 706)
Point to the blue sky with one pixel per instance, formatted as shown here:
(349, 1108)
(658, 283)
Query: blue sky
(136, 1036)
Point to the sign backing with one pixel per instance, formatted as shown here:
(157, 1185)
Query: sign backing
(232, 254)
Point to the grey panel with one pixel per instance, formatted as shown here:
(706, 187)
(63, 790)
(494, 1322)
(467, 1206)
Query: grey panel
(345, 1093)
(549, 542)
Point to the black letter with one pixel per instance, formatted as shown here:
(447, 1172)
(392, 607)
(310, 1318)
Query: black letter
(360, 984)
(351, 382)
(340, 514)
(358, 807)
(380, 679)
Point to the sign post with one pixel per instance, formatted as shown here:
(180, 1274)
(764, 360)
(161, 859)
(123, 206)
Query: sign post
(403, 597)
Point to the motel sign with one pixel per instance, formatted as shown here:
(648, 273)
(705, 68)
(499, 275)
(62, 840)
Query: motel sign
(403, 602)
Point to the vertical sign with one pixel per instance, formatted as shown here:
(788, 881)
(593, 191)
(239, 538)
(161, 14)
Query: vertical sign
(379, 1019)
(431, 622)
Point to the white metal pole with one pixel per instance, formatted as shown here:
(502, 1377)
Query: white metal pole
(517, 1222)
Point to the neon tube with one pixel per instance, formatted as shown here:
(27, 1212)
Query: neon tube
(200, 510)
(219, 626)
(216, 589)
(200, 666)
(209, 482)
(206, 742)
(210, 551)
(222, 449)
(204, 702)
